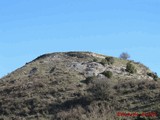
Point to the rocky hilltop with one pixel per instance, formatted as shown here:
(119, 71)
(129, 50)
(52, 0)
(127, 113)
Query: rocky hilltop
(79, 86)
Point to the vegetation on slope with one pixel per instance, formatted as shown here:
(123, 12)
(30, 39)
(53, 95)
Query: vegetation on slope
(77, 85)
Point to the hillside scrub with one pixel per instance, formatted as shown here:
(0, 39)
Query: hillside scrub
(153, 75)
(107, 61)
(130, 68)
(108, 74)
(75, 86)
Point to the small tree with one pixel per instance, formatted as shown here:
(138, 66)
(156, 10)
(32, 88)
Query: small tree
(124, 56)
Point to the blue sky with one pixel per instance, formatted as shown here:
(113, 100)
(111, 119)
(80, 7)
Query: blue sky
(29, 28)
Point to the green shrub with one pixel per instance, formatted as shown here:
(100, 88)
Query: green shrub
(110, 60)
(107, 60)
(103, 62)
(153, 75)
(130, 68)
(95, 60)
(108, 74)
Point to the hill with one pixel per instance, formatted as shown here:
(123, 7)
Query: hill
(79, 86)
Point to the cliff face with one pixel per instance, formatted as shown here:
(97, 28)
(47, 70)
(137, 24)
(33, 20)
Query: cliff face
(78, 85)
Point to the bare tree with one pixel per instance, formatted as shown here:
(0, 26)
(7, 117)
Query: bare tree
(125, 55)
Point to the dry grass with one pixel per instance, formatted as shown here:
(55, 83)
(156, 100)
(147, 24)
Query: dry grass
(47, 89)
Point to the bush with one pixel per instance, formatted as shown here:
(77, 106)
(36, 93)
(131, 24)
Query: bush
(124, 56)
(102, 90)
(153, 75)
(103, 62)
(110, 60)
(108, 74)
(77, 54)
(95, 60)
(107, 60)
(130, 68)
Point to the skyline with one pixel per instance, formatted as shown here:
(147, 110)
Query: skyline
(29, 29)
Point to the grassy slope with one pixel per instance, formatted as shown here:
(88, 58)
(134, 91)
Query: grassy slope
(47, 88)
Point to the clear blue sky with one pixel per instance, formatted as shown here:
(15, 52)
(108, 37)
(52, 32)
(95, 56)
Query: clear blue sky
(29, 28)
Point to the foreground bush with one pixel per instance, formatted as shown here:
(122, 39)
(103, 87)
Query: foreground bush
(102, 90)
